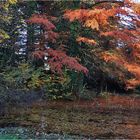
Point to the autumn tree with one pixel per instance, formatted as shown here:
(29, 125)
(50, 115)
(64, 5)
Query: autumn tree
(51, 54)
(111, 40)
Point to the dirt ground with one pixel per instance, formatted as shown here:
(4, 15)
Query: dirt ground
(112, 117)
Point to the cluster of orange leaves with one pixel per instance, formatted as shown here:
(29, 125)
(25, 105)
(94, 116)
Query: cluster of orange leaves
(91, 18)
(124, 35)
(136, 8)
(86, 40)
(111, 57)
(42, 20)
(132, 67)
(50, 35)
(59, 59)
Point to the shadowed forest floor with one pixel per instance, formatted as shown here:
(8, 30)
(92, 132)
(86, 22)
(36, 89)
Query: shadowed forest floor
(112, 117)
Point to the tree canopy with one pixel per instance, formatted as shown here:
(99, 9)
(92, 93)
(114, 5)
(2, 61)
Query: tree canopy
(62, 47)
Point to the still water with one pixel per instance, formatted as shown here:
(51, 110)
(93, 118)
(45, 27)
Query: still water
(21, 133)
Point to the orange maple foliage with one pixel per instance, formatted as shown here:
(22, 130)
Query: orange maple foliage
(42, 20)
(57, 59)
(99, 19)
(124, 35)
(92, 23)
(86, 40)
(136, 7)
(111, 57)
(91, 18)
(134, 69)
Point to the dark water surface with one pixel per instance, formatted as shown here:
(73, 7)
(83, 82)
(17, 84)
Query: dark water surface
(22, 133)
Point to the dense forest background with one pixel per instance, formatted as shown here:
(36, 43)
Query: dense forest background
(67, 49)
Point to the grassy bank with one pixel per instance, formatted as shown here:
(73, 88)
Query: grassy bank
(114, 117)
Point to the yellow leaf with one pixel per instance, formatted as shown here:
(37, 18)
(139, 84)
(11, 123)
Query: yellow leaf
(92, 23)
(12, 1)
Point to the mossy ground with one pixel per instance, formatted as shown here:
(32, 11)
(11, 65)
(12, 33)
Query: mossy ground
(99, 118)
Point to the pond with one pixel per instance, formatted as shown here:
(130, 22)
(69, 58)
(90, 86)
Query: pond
(22, 133)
